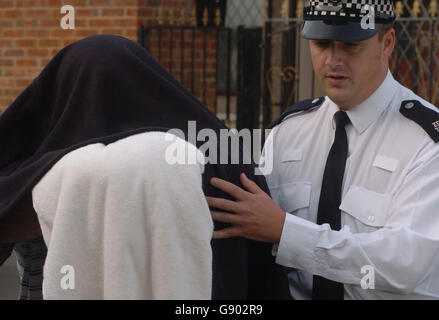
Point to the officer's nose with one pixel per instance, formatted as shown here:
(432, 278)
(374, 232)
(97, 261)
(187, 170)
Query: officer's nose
(334, 56)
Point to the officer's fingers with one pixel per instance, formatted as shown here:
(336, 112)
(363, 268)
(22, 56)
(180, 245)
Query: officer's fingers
(226, 217)
(230, 232)
(250, 185)
(229, 188)
(223, 204)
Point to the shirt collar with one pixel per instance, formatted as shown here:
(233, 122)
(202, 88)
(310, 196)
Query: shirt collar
(368, 111)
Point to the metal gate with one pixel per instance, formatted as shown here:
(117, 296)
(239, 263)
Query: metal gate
(215, 54)
(184, 51)
(288, 76)
(415, 60)
(234, 79)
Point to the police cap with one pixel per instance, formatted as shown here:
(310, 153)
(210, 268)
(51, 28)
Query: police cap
(345, 20)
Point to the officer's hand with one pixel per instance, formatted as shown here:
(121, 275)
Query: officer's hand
(254, 214)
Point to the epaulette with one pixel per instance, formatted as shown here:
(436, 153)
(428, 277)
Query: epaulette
(305, 105)
(427, 118)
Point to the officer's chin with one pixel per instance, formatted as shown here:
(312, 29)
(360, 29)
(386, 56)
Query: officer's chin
(337, 94)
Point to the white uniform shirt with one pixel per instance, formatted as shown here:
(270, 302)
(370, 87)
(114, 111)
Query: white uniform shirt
(390, 199)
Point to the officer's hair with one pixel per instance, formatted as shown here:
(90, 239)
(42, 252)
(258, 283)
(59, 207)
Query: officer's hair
(384, 29)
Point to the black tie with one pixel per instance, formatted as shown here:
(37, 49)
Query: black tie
(329, 203)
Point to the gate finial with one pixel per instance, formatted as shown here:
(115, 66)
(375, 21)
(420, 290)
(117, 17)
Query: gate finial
(171, 16)
(205, 17)
(432, 10)
(284, 10)
(182, 19)
(193, 18)
(416, 10)
(399, 9)
(218, 17)
(299, 10)
(160, 15)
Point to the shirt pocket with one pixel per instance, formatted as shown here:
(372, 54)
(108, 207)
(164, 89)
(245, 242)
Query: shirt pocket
(291, 155)
(292, 196)
(366, 210)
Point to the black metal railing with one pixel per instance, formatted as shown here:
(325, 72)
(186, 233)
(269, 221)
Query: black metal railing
(182, 41)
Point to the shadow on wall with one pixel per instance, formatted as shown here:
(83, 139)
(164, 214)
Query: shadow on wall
(9, 280)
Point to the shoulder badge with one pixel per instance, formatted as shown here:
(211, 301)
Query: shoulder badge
(305, 105)
(427, 118)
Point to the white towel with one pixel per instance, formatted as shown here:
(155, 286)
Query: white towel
(125, 223)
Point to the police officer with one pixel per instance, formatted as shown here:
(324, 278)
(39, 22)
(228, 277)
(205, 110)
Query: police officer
(355, 178)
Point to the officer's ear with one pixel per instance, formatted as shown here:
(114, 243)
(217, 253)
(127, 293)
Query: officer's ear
(388, 41)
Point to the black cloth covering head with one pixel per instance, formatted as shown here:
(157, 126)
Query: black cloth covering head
(101, 89)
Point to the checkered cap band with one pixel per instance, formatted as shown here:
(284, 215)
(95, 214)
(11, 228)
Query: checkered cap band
(349, 10)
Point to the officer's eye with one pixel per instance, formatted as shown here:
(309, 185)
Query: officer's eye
(322, 43)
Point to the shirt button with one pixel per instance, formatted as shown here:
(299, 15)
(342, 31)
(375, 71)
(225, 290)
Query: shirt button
(409, 105)
(371, 218)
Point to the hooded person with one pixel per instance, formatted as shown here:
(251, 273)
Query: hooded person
(98, 92)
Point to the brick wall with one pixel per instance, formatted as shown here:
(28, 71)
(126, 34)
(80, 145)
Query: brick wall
(30, 33)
